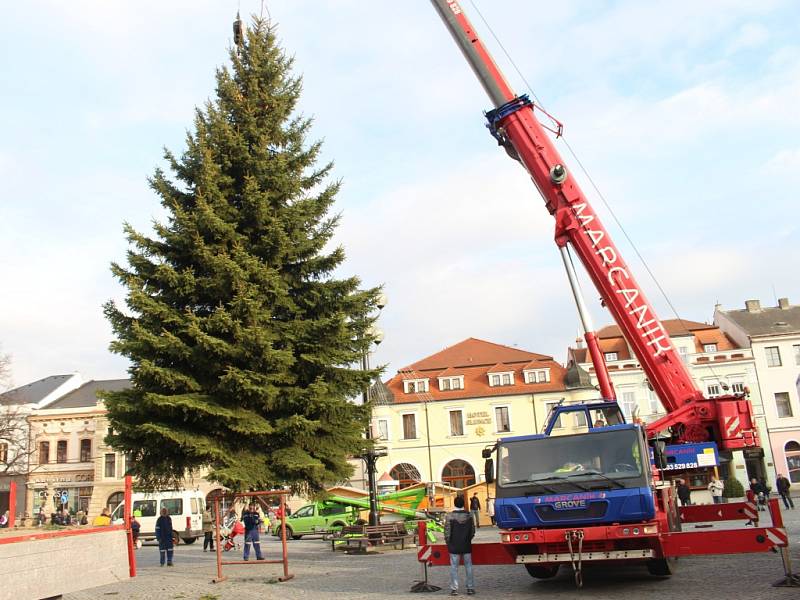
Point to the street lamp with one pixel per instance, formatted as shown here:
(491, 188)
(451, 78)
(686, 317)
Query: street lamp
(371, 455)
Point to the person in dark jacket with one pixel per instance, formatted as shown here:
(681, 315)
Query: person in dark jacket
(475, 509)
(252, 521)
(164, 536)
(783, 485)
(459, 529)
(684, 493)
(759, 492)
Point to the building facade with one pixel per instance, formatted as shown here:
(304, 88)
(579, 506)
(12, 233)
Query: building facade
(772, 334)
(16, 451)
(435, 416)
(718, 364)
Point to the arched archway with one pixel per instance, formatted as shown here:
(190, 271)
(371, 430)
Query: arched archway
(115, 500)
(458, 473)
(407, 474)
(792, 450)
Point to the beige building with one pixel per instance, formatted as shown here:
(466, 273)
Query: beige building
(72, 466)
(435, 416)
(772, 335)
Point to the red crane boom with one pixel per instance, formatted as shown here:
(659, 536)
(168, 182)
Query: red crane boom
(727, 420)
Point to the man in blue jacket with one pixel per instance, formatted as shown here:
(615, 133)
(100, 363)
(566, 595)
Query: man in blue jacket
(459, 529)
(164, 537)
(252, 521)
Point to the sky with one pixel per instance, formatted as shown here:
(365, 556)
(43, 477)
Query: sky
(684, 114)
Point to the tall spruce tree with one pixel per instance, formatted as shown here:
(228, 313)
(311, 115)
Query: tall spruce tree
(242, 341)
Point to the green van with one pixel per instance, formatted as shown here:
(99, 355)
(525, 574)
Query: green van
(318, 518)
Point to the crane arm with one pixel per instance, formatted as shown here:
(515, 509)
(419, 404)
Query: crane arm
(516, 127)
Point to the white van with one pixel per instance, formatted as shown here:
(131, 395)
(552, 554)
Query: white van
(185, 507)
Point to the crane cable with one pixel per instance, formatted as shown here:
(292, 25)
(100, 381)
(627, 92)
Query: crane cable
(594, 186)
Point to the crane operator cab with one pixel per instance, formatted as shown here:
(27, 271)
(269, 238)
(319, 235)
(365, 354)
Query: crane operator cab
(602, 475)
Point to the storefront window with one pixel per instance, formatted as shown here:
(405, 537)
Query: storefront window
(115, 500)
(792, 450)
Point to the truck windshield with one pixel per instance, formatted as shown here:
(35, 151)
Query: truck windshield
(572, 462)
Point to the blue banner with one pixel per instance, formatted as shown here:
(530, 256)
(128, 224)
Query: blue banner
(692, 456)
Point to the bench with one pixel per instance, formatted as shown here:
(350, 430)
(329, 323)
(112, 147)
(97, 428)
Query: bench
(345, 533)
(376, 535)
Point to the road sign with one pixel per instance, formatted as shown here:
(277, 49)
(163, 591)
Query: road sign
(64, 497)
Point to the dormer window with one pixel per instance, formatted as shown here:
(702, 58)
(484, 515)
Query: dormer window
(415, 386)
(451, 383)
(611, 356)
(537, 376)
(709, 347)
(496, 379)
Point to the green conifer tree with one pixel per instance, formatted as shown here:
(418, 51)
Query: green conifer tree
(241, 339)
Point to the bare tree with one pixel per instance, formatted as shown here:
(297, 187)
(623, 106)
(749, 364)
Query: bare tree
(15, 446)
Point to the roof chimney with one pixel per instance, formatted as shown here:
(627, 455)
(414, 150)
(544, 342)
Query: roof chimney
(752, 306)
(783, 303)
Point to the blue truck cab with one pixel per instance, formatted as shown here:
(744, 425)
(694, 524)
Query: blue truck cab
(600, 476)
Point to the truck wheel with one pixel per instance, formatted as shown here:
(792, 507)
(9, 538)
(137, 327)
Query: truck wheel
(338, 524)
(662, 567)
(189, 540)
(542, 571)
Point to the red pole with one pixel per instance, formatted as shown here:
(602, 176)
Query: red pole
(217, 540)
(284, 549)
(12, 504)
(127, 513)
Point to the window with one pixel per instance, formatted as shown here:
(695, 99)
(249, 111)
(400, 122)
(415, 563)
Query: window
(174, 506)
(450, 383)
(712, 390)
(611, 356)
(792, 450)
(773, 354)
(406, 474)
(415, 386)
(114, 500)
(458, 473)
(796, 349)
(506, 379)
(61, 451)
(502, 422)
(628, 404)
(195, 509)
(501, 379)
(147, 508)
(580, 419)
(306, 511)
(709, 347)
(550, 408)
(44, 453)
(410, 427)
(86, 450)
(783, 404)
(538, 376)
(684, 352)
(456, 422)
(494, 380)
(110, 465)
(737, 387)
(383, 429)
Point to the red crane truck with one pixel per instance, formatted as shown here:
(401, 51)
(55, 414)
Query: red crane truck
(599, 495)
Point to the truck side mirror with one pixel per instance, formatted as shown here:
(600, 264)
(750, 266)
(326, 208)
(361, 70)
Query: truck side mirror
(660, 454)
(486, 453)
(488, 470)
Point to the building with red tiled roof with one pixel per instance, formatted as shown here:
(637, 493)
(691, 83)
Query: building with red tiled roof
(436, 415)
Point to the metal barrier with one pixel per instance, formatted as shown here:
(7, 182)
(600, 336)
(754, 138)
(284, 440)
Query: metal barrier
(284, 550)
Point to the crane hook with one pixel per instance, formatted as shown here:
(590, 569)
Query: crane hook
(238, 31)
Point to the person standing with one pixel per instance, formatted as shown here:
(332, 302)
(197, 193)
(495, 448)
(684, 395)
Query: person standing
(136, 527)
(208, 530)
(475, 509)
(783, 485)
(490, 509)
(166, 544)
(252, 521)
(759, 493)
(459, 529)
(716, 487)
(684, 493)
